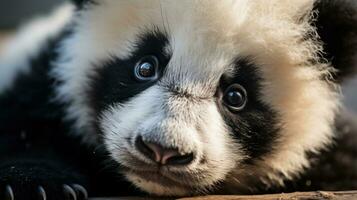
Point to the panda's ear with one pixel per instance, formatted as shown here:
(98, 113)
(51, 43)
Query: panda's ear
(336, 25)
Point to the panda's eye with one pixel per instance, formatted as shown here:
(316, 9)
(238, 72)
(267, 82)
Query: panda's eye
(147, 68)
(235, 97)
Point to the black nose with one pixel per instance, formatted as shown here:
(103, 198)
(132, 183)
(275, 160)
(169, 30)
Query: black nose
(162, 155)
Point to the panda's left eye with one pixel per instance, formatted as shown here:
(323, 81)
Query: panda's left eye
(147, 68)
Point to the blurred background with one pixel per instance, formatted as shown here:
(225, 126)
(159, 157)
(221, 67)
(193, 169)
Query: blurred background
(13, 13)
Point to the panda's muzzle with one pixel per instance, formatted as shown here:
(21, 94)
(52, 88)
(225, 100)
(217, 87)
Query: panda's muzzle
(162, 155)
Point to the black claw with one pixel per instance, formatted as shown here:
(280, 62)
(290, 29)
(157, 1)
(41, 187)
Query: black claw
(9, 193)
(41, 193)
(81, 192)
(69, 192)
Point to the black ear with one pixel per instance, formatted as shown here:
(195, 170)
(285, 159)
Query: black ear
(337, 27)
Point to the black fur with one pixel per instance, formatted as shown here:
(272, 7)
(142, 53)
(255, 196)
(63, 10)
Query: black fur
(35, 149)
(256, 126)
(337, 26)
(30, 121)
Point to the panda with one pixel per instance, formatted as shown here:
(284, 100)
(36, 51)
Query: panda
(178, 98)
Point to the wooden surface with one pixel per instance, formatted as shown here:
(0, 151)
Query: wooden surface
(318, 195)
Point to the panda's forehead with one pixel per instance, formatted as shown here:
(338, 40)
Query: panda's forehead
(194, 30)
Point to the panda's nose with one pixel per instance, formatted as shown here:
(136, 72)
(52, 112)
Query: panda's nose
(162, 155)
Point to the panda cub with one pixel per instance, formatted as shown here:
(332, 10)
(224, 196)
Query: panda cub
(178, 98)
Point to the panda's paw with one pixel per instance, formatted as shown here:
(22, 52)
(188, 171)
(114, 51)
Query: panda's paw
(41, 181)
(75, 191)
(69, 192)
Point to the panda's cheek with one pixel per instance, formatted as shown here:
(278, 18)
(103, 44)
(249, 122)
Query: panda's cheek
(218, 147)
(120, 123)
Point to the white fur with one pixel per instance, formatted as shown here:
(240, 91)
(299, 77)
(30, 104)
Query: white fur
(16, 54)
(205, 37)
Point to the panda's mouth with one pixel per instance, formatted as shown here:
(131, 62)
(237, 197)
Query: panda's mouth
(157, 177)
(158, 183)
(161, 175)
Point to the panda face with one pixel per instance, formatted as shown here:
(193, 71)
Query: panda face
(159, 116)
(155, 103)
(190, 96)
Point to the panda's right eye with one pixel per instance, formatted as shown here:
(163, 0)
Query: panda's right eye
(147, 69)
(235, 97)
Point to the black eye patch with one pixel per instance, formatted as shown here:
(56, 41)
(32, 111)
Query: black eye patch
(254, 127)
(116, 82)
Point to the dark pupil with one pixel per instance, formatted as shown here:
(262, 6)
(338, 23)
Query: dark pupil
(235, 98)
(146, 70)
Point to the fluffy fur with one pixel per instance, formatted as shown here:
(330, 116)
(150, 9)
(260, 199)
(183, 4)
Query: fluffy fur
(287, 57)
